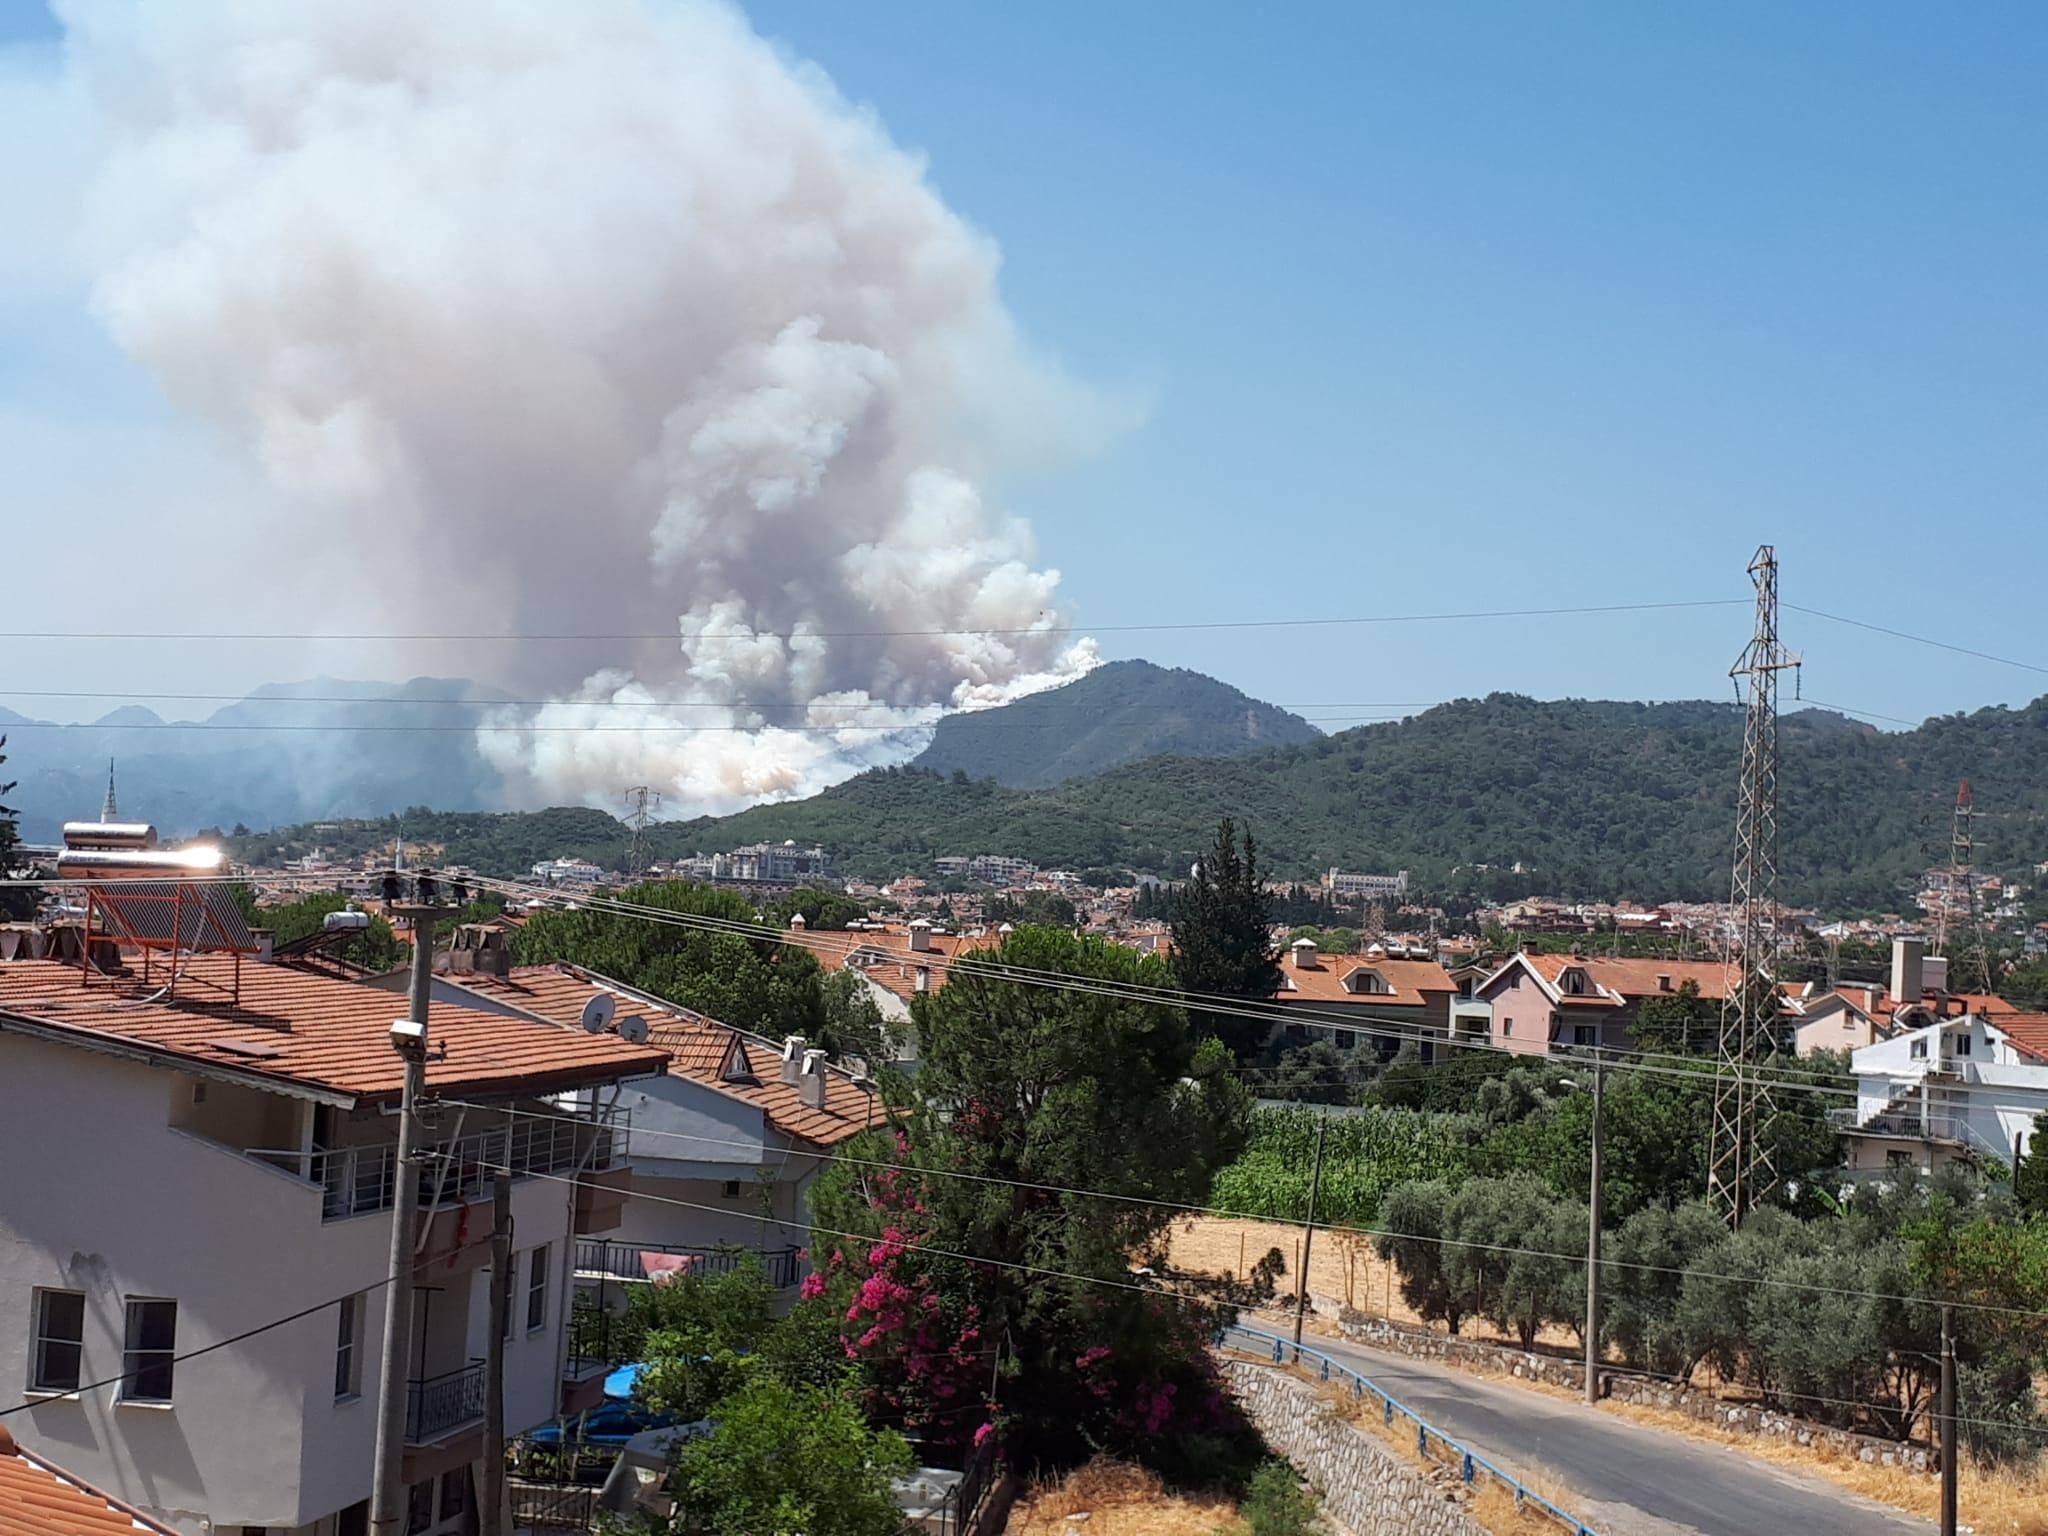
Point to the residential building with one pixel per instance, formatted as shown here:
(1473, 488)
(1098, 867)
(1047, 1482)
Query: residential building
(778, 863)
(1540, 1004)
(986, 868)
(1955, 1089)
(567, 872)
(1370, 998)
(189, 1160)
(1339, 882)
(898, 961)
(725, 1142)
(1853, 1014)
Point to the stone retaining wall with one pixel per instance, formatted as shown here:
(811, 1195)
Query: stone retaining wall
(1738, 1418)
(1367, 1487)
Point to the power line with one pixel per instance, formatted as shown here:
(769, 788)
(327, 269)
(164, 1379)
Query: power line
(749, 635)
(261, 1328)
(474, 727)
(1900, 634)
(339, 698)
(1686, 1068)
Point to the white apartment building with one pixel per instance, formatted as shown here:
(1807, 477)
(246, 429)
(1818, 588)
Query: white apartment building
(724, 1144)
(185, 1166)
(1956, 1089)
(1340, 882)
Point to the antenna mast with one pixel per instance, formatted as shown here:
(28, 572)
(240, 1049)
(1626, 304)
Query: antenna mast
(642, 801)
(1963, 873)
(1741, 1173)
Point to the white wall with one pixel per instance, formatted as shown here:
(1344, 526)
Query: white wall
(103, 1196)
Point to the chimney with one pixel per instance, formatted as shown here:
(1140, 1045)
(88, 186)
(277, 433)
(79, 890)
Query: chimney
(1908, 956)
(811, 1079)
(266, 945)
(1934, 973)
(921, 936)
(924, 978)
(797, 923)
(1663, 982)
(792, 1057)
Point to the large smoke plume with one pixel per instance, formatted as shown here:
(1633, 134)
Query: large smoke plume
(627, 324)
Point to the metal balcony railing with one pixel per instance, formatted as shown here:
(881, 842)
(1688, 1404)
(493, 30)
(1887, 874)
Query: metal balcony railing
(358, 1180)
(437, 1406)
(603, 1259)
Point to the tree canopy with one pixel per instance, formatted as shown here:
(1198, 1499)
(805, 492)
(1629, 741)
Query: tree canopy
(1223, 937)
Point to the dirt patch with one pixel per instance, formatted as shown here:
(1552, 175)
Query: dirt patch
(1113, 1498)
(1343, 1269)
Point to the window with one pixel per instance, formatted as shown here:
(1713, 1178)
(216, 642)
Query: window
(1514, 981)
(1582, 1034)
(454, 1493)
(730, 1190)
(348, 1353)
(1962, 1045)
(537, 1288)
(1920, 1050)
(146, 1359)
(419, 1507)
(1898, 1162)
(58, 1348)
(1507, 1029)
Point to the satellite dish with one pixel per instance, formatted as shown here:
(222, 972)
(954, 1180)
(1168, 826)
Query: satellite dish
(633, 1029)
(597, 1013)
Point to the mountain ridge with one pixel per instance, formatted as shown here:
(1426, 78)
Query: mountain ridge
(1120, 712)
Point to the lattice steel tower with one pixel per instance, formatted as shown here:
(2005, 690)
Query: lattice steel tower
(642, 800)
(1740, 1173)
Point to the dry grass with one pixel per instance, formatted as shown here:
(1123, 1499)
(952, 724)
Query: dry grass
(2002, 1502)
(1343, 1269)
(1120, 1500)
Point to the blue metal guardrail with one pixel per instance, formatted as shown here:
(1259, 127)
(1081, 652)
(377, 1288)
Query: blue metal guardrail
(1257, 1341)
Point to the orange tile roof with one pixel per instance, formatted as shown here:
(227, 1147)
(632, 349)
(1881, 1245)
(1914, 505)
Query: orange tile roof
(307, 1032)
(2028, 1031)
(886, 955)
(1323, 982)
(696, 1047)
(39, 1499)
(1622, 981)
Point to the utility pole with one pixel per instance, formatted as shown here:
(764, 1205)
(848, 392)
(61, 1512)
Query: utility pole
(409, 1039)
(1948, 1422)
(1740, 1173)
(1308, 1238)
(1593, 1243)
(492, 1516)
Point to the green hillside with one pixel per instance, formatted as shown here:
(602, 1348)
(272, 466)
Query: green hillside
(1122, 712)
(1596, 799)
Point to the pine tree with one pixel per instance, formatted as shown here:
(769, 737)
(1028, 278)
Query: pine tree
(1223, 939)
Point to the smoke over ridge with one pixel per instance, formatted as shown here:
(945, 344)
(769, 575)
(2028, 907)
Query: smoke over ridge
(625, 320)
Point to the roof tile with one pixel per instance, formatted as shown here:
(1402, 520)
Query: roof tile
(38, 1499)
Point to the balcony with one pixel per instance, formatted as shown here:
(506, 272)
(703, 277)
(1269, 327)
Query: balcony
(599, 1259)
(437, 1407)
(356, 1181)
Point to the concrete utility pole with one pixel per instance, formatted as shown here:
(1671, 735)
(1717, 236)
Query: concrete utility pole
(409, 1039)
(1948, 1423)
(492, 1516)
(1593, 1244)
(1315, 1185)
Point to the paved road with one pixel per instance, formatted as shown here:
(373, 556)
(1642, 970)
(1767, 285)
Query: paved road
(1631, 1480)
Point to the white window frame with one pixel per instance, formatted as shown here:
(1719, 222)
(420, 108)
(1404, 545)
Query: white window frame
(132, 1315)
(348, 1349)
(40, 1337)
(537, 1287)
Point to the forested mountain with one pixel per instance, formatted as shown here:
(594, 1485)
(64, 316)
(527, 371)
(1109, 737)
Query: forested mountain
(1122, 712)
(1594, 799)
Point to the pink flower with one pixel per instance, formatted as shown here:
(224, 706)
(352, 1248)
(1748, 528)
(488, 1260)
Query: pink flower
(812, 1288)
(983, 1433)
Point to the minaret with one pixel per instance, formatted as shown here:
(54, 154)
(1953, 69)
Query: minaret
(110, 811)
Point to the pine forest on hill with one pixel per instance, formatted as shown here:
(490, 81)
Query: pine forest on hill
(1594, 799)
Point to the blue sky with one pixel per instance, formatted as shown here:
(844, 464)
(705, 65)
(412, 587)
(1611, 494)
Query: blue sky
(1475, 306)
